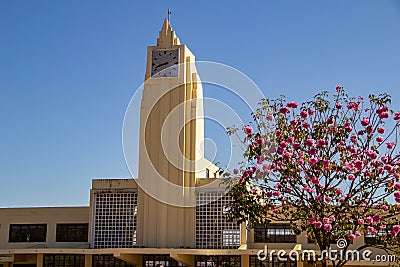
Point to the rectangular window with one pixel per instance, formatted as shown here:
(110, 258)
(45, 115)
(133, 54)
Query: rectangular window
(205, 261)
(271, 262)
(207, 173)
(274, 233)
(27, 233)
(73, 232)
(63, 260)
(108, 260)
(371, 239)
(160, 260)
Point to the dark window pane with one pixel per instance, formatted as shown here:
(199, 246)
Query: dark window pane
(27, 233)
(72, 232)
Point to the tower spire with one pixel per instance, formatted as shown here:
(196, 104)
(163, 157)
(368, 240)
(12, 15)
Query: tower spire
(167, 37)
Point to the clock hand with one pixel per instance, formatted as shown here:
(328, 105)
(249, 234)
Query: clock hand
(162, 64)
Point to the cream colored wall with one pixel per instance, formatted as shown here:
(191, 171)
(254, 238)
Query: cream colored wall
(50, 216)
(171, 130)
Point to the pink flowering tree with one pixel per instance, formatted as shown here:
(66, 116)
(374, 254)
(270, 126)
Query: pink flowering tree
(329, 166)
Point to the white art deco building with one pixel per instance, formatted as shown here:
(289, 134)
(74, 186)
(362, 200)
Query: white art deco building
(173, 214)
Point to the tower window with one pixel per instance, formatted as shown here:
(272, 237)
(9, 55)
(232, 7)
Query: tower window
(207, 173)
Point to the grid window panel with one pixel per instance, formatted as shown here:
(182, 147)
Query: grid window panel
(27, 233)
(213, 230)
(115, 219)
(63, 260)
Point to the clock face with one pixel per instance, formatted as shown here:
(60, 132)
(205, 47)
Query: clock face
(164, 63)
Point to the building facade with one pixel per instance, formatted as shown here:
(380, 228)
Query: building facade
(173, 214)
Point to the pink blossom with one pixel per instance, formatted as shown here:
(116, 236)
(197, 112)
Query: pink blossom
(296, 145)
(290, 139)
(248, 130)
(396, 116)
(342, 200)
(311, 112)
(312, 151)
(235, 171)
(348, 127)
(260, 159)
(292, 105)
(308, 189)
(327, 227)
(348, 165)
(322, 142)
(371, 154)
(339, 106)
(379, 139)
(306, 125)
(275, 211)
(339, 88)
(365, 121)
(358, 164)
(384, 115)
(396, 228)
(330, 120)
(332, 218)
(389, 145)
(312, 161)
(358, 234)
(382, 227)
(351, 237)
(318, 224)
(326, 163)
(260, 141)
(287, 155)
(304, 114)
(269, 194)
(397, 186)
(385, 207)
(318, 198)
(372, 230)
(397, 194)
(382, 109)
(270, 117)
(360, 221)
(283, 144)
(309, 142)
(376, 218)
(368, 220)
(284, 110)
(328, 199)
(381, 130)
(325, 220)
(315, 180)
(312, 221)
(276, 193)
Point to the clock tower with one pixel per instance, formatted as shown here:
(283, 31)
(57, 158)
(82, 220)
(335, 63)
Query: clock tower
(171, 145)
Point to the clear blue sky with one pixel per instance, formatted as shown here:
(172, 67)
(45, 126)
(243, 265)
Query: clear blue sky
(69, 68)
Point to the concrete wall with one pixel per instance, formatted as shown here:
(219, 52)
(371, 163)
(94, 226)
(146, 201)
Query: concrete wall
(49, 216)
